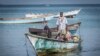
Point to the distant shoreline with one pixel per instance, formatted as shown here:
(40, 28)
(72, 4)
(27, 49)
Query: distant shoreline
(53, 5)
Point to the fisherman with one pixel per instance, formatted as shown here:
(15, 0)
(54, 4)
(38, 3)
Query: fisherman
(60, 37)
(68, 36)
(47, 29)
(62, 25)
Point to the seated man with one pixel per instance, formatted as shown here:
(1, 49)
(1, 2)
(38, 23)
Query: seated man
(68, 36)
(61, 37)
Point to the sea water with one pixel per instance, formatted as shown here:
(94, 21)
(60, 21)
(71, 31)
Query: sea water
(13, 42)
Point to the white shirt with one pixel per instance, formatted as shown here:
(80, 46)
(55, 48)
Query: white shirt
(62, 23)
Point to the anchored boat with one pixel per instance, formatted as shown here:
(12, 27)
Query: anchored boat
(44, 44)
(39, 17)
(68, 14)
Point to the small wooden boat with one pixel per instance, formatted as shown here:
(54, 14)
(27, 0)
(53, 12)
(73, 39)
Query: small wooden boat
(44, 44)
(48, 45)
(72, 28)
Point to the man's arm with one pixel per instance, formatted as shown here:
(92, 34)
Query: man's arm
(66, 24)
(57, 23)
(57, 27)
(66, 27)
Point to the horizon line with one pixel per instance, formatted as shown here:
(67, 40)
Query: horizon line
(48, 5)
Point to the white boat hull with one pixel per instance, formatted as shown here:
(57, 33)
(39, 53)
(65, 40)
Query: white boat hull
(43, 44)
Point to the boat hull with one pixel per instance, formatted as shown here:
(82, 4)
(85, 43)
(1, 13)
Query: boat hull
(43, 44)
(36, 20)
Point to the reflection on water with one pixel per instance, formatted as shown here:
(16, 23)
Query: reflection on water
(61, 54)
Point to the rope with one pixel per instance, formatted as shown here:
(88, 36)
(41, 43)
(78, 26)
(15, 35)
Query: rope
(79, 32)
(26, 47)
(80, 48)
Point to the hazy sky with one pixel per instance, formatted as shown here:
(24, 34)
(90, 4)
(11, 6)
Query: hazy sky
(49, 1)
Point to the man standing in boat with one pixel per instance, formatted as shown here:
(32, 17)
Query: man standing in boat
(62, 24)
